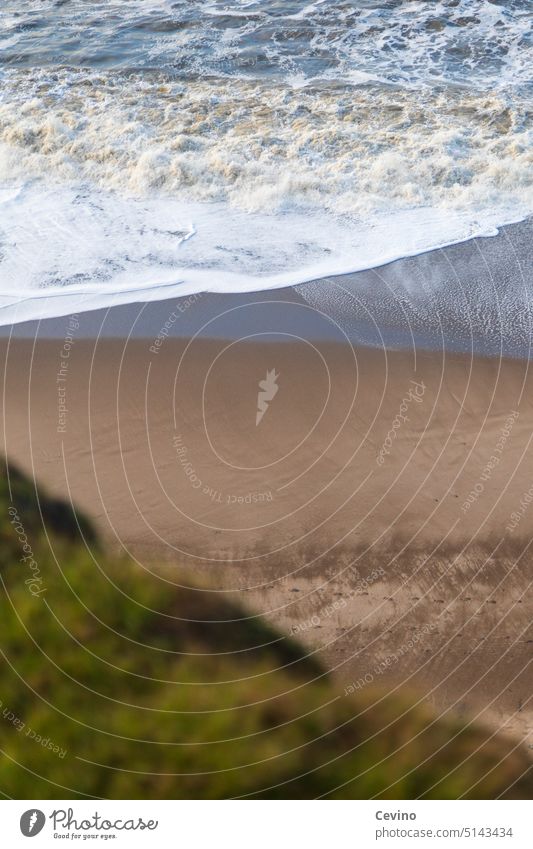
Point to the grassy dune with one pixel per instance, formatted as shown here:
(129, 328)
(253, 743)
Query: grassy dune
(117, 683)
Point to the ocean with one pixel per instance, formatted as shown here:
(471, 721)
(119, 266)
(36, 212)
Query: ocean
(151, 148)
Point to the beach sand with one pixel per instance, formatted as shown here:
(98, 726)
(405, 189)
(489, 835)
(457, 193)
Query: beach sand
(378, 511)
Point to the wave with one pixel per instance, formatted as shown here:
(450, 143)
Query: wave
(71, 249)
(239, 147)
(480, 44)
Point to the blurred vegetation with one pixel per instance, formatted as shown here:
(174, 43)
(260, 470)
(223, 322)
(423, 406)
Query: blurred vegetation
(149, 690)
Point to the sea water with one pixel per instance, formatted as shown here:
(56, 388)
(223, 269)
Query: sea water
(159, 147)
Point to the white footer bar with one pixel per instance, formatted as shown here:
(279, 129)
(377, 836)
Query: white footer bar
(267, 824)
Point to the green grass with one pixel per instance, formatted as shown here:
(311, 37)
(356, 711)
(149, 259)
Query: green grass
(150, 690)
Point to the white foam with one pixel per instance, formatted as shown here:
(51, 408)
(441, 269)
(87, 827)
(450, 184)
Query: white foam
(116, 188)
(70, 249)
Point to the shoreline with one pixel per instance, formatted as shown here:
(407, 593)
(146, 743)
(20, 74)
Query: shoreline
(468, 297)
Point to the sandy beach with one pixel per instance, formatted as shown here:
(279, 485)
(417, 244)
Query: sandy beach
(379, 510)
(267, 413)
